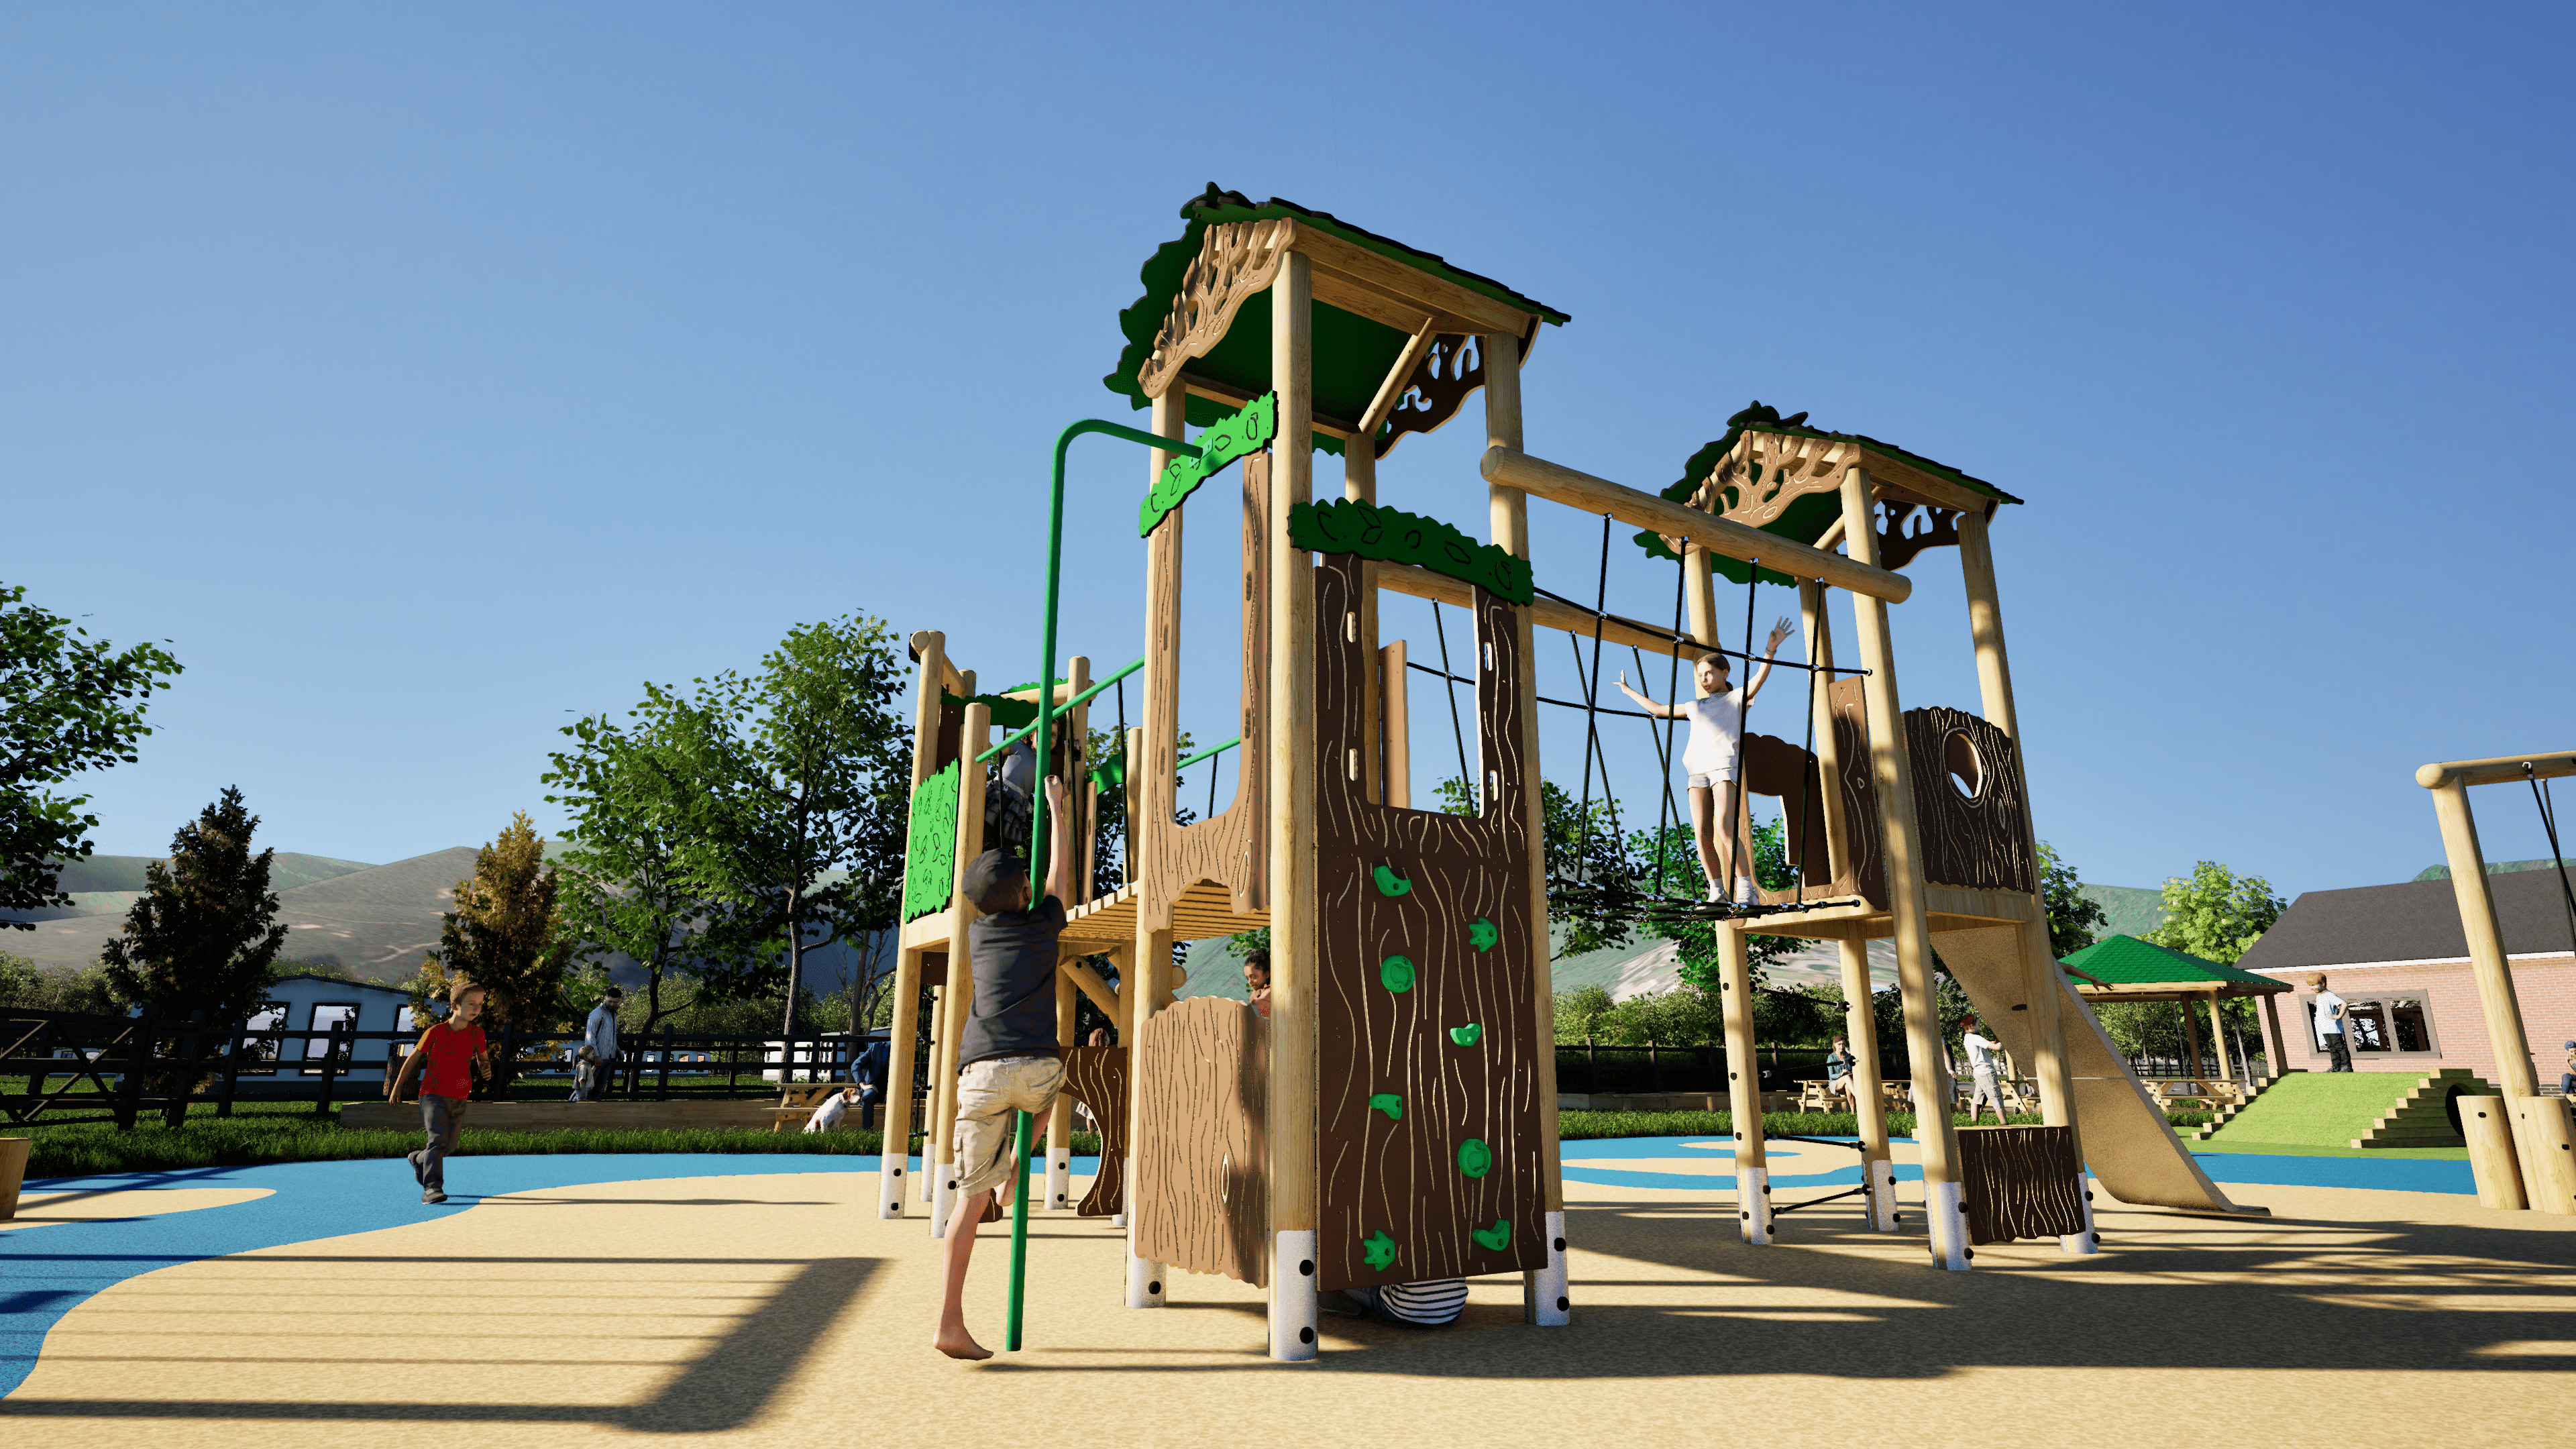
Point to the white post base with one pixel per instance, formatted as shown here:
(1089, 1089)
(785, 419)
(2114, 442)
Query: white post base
(1059, 1193)
(1144, 1281)
(1882, 1194)
(1949, 1224)
(925, 1170)
(890, 1185)
(943, 1195)
(2086, 1241)
(1543, 1290)
(1292, 1297)
(1753, 1203)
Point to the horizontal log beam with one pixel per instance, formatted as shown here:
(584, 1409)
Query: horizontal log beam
(1092, 986)
(1422, 583)
(2505, 770)
(1560, 484)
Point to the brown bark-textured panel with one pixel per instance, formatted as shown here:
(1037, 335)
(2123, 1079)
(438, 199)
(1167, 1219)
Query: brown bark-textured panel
(1865, 874)
(1402, 1177)
(1097, 1078)
(1202, 1199)
(2019, 1182)
(1787, 773)
(1980, 840)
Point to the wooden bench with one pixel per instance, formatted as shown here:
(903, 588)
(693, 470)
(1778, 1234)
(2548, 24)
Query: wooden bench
(799, 1104)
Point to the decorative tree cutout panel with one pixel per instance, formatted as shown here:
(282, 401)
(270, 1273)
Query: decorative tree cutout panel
(1970, 799)
(1447, 1183)
(1097, 1078)
(2019, 1182)
(1202, 1198)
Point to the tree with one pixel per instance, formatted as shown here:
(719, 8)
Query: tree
(204, 934)
(1580, 1012)
(19, 983)
(1591, 871)
(1678, 850)
(812, 763)
(2075, 920)
(2217, 914)
(503, 935)
(637, 803)
(67, 705)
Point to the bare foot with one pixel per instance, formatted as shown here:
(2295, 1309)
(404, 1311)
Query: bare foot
(960, 1344)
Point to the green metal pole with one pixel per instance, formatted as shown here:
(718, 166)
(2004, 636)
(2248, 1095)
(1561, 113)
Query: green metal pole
(1019, 1234)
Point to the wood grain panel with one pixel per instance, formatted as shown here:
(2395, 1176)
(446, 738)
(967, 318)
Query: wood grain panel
(1233, 848)
(1981, 841)
(1097, 1078)
(1202, 1199)
(1865, 874)
(2019, 1182)
(1402, 1177)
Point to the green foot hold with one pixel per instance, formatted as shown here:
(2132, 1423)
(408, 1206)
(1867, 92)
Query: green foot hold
(1482, 935)
(1389, 883)
(1389, 1103)
(1396, 974)
(1495, 1238)
(1474, 1158)
(1379, 1250)
(1466, 1035)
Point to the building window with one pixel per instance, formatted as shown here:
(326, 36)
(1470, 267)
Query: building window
(259, 1053)
(2396, 1024)
(325, 1017)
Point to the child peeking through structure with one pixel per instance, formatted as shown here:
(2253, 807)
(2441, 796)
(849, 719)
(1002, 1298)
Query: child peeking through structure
(1009, 1060)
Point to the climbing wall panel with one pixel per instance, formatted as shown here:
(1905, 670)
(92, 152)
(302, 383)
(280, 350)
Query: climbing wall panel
(1427, 1021)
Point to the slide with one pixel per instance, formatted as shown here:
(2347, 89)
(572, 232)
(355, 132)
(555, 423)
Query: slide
(2127, 1143)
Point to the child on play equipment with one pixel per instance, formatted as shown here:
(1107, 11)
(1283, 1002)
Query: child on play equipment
(1009, 1059)
(1717, 733)
(1256, 981)
(452, 1050)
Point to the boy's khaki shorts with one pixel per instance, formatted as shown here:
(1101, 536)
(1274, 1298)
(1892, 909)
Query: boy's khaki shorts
(989, 1094)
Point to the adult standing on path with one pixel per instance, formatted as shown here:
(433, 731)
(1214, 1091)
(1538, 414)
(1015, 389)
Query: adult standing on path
(452, 1050)
(1981, 1051)
(599, 1034)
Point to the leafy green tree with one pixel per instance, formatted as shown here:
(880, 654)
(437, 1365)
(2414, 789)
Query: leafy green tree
(204, 934)
(1579, 1014)
(503, 935)
(812, 762)
(1591, 869)
(637, 803)
(2075, 920)
(68, 704)
(1677, 852)
(2217, 914)
(19, 983)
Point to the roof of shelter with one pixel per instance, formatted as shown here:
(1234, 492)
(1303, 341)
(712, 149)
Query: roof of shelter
(2129, 963)
(1807, 519)
(1352, 354)
(2411, 921)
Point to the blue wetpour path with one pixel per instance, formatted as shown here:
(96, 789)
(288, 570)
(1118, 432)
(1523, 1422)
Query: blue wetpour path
(47, 1270)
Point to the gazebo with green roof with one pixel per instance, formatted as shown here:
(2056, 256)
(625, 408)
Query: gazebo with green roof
(2124, 968)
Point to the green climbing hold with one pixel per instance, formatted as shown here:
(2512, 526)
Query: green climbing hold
(1389, 1103)
(1389, 883)
(1466, 1035)
(1482, 935)
(1379, 1250)
(1396, 974)
(1495, 1238)
(1474, 1158)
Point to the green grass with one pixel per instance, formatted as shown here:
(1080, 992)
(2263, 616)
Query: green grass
(2285, 1149)
(289, 1132)
(2315, 1109)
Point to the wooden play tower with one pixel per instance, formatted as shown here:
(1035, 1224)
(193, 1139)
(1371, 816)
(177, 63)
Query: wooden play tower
(1393, 1118)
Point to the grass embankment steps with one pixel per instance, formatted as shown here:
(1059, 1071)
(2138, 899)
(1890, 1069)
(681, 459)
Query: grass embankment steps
(2352, 1110)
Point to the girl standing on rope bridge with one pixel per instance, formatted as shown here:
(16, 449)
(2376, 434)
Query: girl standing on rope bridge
(1717, 732)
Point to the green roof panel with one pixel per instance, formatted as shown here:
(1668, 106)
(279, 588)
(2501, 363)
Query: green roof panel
(2128, 961)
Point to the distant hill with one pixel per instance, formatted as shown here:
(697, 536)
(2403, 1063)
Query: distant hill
(2495, 867)
(104, 885)
(2133, 911)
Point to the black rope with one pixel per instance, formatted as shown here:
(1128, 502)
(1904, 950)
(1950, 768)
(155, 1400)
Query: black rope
(1592, 710)
(2549, 824)
(1806, 805)
(1213, 762)
(1543, 699)
(1676, 635)
(1672, 694)
(1466, 777)
(1738, 803)
(1126, 793)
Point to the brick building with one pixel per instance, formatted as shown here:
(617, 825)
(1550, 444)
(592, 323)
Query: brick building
(2398, 958)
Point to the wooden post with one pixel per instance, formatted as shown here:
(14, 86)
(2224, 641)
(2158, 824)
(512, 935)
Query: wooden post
(2276, 1047)
(1869, 1095)
(1545, 1295)
(1934, 1132)
(972, 740)
(1818, 628)
(2542, 1130)
(1152, 758)
(2190, 1032)
(932, 1094)
(2487, 1123)
(1059, 1150)
(1359, 482)
(1294, 1191)
(2218, 1037)
(1743, 1086)
(331, 1063)
(903, 1023)
(1396, 714)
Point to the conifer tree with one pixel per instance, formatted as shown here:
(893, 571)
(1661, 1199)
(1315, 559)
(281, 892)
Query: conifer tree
(204, 935)
(502, 935)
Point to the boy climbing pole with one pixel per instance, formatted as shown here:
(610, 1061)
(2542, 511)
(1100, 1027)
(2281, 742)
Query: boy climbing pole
(1009, 1059)
(1710, 759)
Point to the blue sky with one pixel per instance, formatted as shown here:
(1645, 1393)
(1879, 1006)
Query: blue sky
(428, 375)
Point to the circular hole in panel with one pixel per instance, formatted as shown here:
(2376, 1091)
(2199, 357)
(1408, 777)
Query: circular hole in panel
(1961, 763)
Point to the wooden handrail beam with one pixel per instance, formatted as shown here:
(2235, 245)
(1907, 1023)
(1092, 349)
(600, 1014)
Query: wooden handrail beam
(1558, 483)
(2499, 771)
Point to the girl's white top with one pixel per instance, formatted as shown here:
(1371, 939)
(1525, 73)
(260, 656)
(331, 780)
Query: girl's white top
(1716, 731)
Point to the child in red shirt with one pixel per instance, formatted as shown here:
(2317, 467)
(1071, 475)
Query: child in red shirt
(453, 1052)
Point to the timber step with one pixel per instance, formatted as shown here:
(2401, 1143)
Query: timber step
(2423, 1118)
(2226, 1113)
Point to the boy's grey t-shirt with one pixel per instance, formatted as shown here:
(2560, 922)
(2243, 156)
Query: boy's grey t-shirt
(1012, 954)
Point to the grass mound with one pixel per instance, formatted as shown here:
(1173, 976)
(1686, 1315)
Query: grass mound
(2316, 1109)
